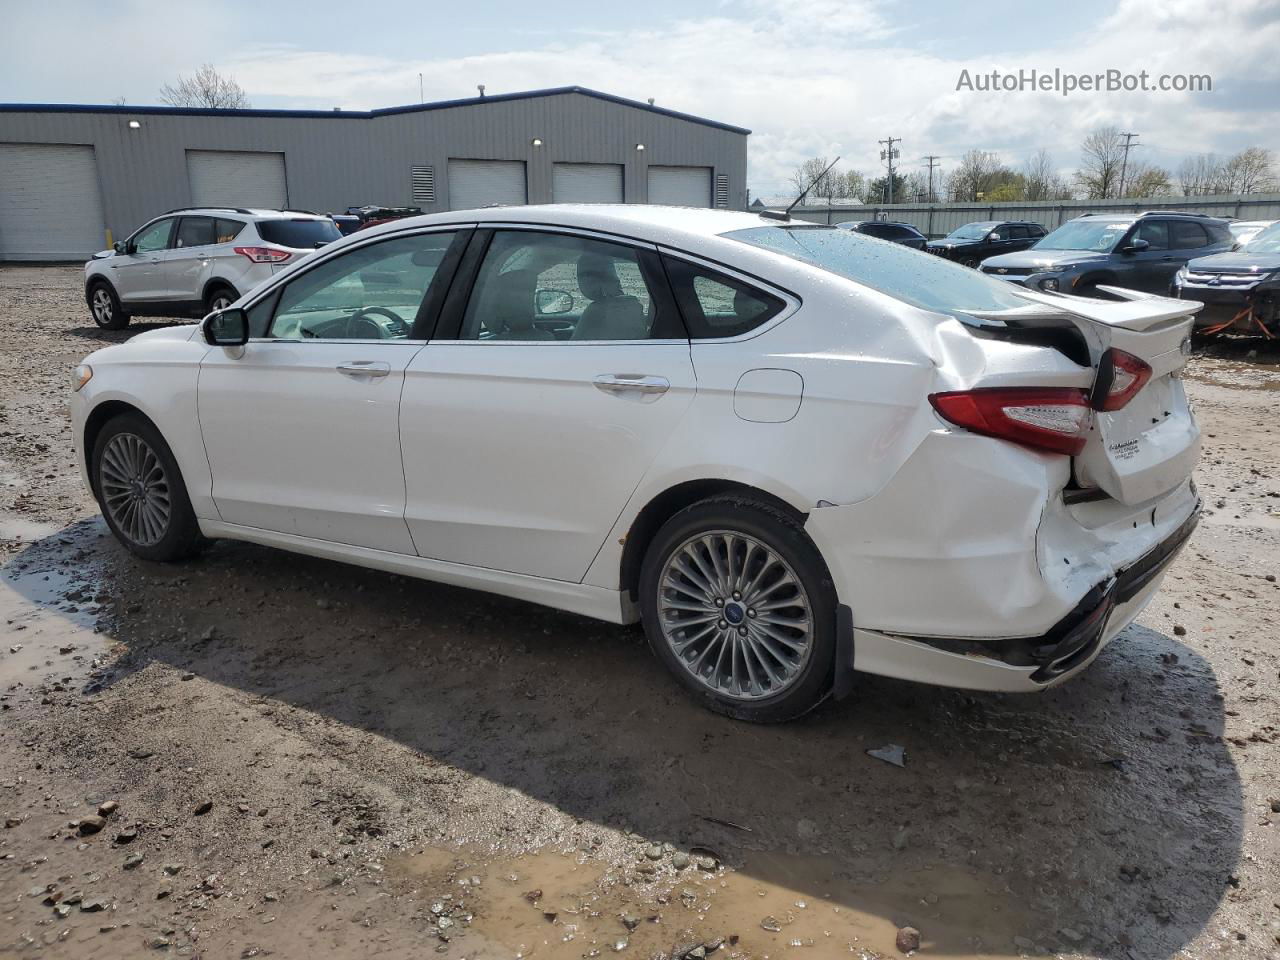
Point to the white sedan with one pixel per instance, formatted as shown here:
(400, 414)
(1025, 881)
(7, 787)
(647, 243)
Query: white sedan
(793, 451)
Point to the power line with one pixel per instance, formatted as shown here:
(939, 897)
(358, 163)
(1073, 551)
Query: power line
(889, 154)
(1124, 163)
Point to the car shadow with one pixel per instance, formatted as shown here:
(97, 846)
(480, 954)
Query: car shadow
(1109, 807)
(135, 327)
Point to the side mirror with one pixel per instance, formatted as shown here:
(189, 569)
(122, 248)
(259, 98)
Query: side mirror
(1236, 246)
(226, 328)
(121, 247)
(994, 237)
(1135, 246)
(550, 302)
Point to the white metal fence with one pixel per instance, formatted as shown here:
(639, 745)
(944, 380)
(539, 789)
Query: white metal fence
(939, 219)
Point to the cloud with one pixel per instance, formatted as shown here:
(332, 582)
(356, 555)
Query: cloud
(824, 77)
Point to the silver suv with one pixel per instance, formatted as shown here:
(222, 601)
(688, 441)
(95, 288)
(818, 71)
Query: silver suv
(190, 262)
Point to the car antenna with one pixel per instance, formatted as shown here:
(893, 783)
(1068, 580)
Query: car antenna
(786, 214)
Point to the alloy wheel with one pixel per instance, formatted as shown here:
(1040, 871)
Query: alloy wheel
(102, 308)
(735, 614)
(135, 489)
(220, 302)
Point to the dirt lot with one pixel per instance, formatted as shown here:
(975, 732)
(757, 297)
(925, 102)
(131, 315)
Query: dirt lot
(301, 759)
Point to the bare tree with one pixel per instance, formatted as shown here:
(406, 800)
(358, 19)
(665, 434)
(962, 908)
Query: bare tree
(978, 172)
(207, 88)
(1250, 171)
(1200, 175)
(852, 186)
(1101, 158)
(1043, 182)
(811, 172)
(1145, 180)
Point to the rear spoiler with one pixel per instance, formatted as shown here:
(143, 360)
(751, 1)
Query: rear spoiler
(1134, 311)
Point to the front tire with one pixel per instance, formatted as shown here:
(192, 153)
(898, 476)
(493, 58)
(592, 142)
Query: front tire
(108, 313)
(141, 491)
(739, 605)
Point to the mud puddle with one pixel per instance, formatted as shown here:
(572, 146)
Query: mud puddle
(568, 906)
(51, 600)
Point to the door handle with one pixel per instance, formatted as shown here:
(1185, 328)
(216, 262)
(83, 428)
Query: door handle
(620, 383)
(364, 368)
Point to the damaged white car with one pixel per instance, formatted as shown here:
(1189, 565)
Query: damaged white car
(793, 451)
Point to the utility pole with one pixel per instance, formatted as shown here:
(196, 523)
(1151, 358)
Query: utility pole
(421, 96)
(1124, 163)
(932, 159)
(889, 154)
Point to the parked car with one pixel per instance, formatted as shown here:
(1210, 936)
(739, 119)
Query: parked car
(1245, 230)
(371, 215)
(974, 242)
(190, 262)
(1137, 251)
(792, 451)
(1240, 289)
(891, 230)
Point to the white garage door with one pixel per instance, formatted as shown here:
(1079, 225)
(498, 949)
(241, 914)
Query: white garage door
(50, 207)
(482, 183)
(680, 186)
(587, 183)
(234, 178)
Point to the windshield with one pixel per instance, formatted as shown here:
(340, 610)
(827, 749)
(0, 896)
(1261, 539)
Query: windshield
(970, 231)
(919, 279)
(304, 234)
(1268, 241)
(1100, 236)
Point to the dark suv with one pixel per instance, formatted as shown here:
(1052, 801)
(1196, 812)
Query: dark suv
(893, 231)
(1140, 251)
(974, 242)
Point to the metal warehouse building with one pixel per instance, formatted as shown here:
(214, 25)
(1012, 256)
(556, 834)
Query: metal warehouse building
(72, 177)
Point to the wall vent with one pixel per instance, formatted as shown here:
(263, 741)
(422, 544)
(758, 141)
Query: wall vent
(722, 190)
(424, 184)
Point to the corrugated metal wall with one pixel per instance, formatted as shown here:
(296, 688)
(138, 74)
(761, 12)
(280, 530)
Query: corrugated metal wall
(334, 162)
(937, 220)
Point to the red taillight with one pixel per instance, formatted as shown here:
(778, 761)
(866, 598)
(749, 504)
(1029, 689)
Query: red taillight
(1120, 376)
(264, 254)
(1047, 418)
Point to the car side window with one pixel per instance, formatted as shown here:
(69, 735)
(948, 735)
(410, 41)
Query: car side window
(715, 305)
(1017, 232)
(366, 293)
(537, 286)
(1155, 232)
(154, 237)
(196, 232)
(226, 230)
(1188, 236)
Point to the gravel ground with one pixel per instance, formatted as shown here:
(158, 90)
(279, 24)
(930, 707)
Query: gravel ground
(262, 754)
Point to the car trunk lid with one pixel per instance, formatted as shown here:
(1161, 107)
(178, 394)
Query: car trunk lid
(1150, 444)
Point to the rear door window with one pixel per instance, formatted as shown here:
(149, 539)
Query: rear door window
(196, 232)
(715, 305)
(1187, 235)
(1018, 232)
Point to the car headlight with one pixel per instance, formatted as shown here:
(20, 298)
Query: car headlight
(1049, 283)
(1051, 268)
(82, 375)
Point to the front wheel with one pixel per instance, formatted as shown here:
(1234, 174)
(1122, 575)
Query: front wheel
(141, 491)
(108, 313)
(738, 603)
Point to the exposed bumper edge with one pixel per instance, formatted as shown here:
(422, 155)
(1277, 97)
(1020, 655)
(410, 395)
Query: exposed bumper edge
(1030, 663)
(844, 652)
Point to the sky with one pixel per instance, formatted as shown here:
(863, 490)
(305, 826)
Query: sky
(808, 77)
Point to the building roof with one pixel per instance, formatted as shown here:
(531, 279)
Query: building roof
(360, 114)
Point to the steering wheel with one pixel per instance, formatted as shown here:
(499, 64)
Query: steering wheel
(359, 322)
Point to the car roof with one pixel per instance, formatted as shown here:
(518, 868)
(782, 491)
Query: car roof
(260, 213)
(652, 222)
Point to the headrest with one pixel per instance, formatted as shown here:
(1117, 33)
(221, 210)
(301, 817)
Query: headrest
(597, 278)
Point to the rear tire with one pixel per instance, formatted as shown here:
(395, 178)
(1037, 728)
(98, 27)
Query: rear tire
(739, 605)
(219, 298)
(105, 307)
(141, 491)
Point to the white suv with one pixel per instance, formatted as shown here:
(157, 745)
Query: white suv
(190, 262)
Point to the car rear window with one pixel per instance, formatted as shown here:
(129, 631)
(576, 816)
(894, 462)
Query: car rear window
(299, 233)
(931, 283)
